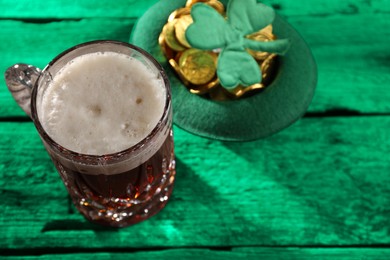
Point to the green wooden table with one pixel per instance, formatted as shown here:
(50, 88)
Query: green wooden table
(317, 190)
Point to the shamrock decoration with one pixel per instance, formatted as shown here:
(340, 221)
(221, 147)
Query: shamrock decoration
(211, 31)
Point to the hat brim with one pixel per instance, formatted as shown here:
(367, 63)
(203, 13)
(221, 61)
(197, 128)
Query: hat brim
(282, 103)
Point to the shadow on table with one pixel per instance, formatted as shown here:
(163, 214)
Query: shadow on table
(75, 225)
(209, 212)
(331, 182)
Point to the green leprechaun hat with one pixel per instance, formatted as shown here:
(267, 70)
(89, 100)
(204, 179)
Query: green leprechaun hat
(238, 71)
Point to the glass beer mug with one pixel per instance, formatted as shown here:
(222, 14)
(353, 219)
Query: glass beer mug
(103, 111)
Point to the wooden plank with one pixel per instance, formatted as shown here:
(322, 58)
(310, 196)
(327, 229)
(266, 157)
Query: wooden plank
(235, 253)
(323, 181)
(61, 9)
(314, 253)
(134, 8)
(352, 67)
(328, 8)
(38, 44)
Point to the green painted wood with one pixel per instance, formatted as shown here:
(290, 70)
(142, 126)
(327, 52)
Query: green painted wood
(38, 44)
(314, 253)
(234, 253)
(353, 67)
(353, 64)
(131, 8)
(49, 9)
(329, 8)
(323, 181)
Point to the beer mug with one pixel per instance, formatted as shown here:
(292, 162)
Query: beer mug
(103, 112)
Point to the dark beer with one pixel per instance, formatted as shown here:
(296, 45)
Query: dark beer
(103, 110)
(124, 198)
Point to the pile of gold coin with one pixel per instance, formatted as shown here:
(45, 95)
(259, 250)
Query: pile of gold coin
(197, 69)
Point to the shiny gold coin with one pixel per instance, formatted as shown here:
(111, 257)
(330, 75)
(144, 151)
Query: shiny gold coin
(204, 89)
(197, 66)
(170, 36)
(267, 30)
(172, 16)
(168, 52)
(176, 67)
(241, 91)
(181, 26)
(194, 89)
(178, 13)
(161, 42)
(190, 3)
(268, 68)
(264, 35)
(217, 5)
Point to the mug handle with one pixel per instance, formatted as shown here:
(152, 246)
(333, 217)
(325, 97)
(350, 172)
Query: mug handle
(20, 79)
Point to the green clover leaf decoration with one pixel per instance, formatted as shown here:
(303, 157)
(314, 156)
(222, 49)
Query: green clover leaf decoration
(211, 31)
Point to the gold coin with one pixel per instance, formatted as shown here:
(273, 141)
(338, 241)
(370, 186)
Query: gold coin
(168, 52)
(178, 13)
(268, 68)
(205, 88)
(176, 67)
(194, 89)
(264, 35)
(197, 66)
(241, 91)
(200, 90)
(267, 30)
(190, 3)
(170, 36)
(172, 16)
(217, 5)
(181, 26)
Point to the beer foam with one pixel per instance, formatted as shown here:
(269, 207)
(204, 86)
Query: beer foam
(102, 103)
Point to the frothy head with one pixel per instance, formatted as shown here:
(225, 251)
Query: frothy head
(102, 103)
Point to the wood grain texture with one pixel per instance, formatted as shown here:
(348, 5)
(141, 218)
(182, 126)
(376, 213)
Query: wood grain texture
(63, 9)
(235, 253)
(318, 190)
(352, 57)
(353, 64)
(38, 44)
(132, 8)
(320, 182)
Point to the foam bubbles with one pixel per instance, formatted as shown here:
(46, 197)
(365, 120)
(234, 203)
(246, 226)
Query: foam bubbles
(102, 103)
